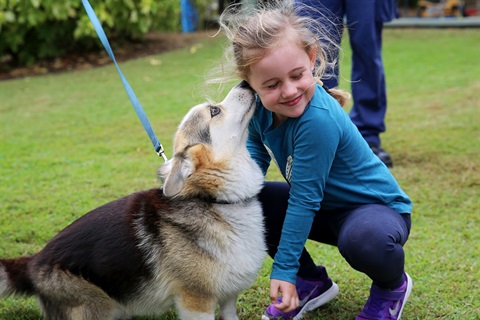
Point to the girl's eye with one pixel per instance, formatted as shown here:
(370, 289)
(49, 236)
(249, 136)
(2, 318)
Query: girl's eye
(273, 86)
(214, 110)
(298, 76)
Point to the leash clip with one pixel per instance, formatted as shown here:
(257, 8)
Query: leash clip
(161, 153)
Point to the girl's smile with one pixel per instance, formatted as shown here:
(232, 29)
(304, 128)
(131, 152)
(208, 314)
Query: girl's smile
(283, 80)
(293, 102)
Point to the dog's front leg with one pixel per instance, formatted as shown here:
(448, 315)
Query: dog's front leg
(228, 308)
(192, 307)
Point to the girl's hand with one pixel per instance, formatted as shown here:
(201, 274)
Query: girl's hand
(289, 295)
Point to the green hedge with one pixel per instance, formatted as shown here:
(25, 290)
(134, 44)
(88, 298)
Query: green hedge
(37, 29)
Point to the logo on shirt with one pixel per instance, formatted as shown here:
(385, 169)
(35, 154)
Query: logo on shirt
(288, 168)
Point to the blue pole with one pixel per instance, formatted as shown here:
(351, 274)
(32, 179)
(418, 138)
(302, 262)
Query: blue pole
(189, 16)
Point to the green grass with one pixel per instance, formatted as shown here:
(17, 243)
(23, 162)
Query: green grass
(71, 142)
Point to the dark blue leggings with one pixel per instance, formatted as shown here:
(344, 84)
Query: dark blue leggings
(369, 237)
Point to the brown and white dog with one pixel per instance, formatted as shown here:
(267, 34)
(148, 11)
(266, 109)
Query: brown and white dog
(194, 244)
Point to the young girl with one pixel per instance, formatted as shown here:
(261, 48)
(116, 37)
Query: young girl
(337, 191)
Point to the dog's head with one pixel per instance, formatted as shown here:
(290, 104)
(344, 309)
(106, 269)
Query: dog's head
(210, 156)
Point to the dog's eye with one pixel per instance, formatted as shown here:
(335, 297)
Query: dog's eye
(214, 110)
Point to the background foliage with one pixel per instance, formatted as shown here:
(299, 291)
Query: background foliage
(38, 29)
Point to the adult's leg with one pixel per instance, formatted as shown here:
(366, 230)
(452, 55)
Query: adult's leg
(329, 14)
(368, 76)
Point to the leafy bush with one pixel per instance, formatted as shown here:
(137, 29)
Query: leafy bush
(37, 29)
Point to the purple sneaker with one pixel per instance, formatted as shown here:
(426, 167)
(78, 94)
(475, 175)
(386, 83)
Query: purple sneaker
(312, 294)
(386, 304)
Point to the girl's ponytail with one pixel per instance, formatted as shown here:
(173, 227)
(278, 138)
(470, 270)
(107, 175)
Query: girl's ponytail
(338, 94)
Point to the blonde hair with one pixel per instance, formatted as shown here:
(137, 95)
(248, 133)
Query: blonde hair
(254, 30)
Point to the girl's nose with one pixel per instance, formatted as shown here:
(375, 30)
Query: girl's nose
(288, 89)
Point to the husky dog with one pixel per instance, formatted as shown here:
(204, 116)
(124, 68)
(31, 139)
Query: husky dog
(195, 244)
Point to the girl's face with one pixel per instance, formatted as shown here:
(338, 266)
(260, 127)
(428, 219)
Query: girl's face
(283, 80)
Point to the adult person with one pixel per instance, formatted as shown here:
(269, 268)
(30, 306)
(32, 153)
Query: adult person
(364, 21)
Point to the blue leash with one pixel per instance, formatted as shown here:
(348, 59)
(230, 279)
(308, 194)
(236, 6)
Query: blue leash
(133, 98)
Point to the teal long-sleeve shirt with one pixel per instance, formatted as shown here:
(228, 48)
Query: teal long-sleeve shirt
(327, 163)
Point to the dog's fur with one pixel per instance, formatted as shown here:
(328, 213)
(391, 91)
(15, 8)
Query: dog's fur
(194, 244)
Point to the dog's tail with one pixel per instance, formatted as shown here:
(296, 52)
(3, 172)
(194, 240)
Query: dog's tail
(14, 277)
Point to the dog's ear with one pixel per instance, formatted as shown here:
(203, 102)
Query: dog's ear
(164, 170)
(174, 173)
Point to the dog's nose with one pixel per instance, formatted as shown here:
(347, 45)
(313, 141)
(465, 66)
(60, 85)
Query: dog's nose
(244, 84)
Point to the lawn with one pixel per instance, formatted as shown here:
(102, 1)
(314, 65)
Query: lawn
(71, 142)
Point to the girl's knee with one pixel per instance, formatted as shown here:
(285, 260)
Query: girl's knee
(373, 252)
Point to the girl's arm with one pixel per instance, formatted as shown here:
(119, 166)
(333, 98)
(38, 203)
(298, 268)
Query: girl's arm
(315, 142)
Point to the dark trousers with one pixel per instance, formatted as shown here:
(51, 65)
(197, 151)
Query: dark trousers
(364, 19)
(369, 237)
